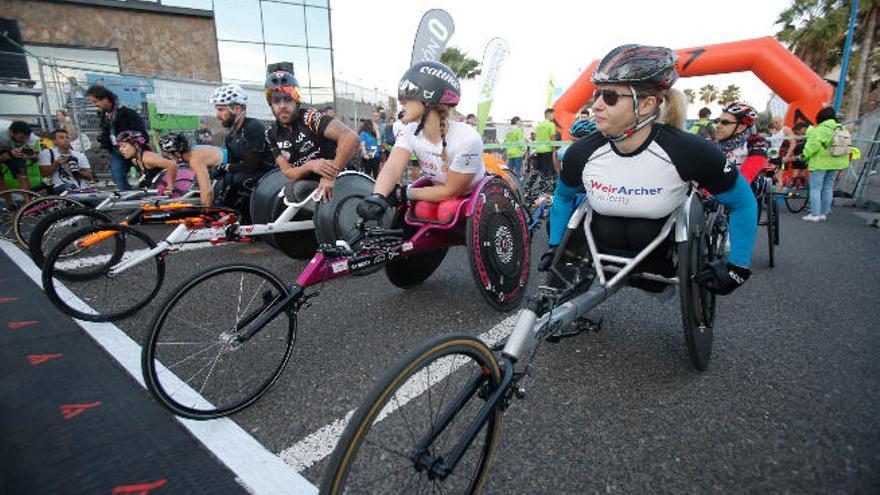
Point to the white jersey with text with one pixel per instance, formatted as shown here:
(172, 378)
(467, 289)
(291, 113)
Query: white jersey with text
(464, 151)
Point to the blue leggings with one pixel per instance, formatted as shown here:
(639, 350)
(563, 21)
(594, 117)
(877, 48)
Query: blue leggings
(119, 168)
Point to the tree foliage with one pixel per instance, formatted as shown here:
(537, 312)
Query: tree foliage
(730, 94)
(708, 94)
(457, 60)
(691, 95)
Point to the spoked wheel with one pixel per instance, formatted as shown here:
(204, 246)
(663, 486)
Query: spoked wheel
(32, 212)
(498, 246)
(447, 376)
(798, 194)
(697, 303)
(10, 202)
(193, 360)
(55, 226)
(771, 210)
(109, 268)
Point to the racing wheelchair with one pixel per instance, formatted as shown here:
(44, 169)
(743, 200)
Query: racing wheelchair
(253, 312)
(435, 418)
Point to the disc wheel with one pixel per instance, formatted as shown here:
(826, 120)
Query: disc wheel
(193, 362)
(498, 246)
(55, 226)
(376, 452)
(107, 268)
(32, 212)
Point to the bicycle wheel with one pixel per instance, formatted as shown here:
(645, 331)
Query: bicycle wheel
(32, 212)
(55, 226)
(798, 195)
(697, 303)
(12, 200)
(191, 362)
(115, 276)
(376, 450)
(770, 224)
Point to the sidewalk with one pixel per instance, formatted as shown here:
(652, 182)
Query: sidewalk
(72, 421)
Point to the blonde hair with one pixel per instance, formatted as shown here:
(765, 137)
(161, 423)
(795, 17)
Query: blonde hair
(443, 113)
(672, 104)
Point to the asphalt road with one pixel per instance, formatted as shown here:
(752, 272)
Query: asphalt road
(788, 404)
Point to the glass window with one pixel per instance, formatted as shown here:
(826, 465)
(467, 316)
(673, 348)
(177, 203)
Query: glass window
(297, 55)
(318, 26)
(238, 20)
(242, 61)
(319, 3)
(284, 24)
(320, 68)
(189, 4)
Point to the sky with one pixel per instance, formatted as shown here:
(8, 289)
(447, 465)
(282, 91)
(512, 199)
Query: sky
(373, 40)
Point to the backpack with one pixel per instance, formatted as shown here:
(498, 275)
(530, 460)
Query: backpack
(706, 131)
(841, 141)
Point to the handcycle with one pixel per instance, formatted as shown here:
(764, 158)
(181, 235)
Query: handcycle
(99, 259)
(233, 362)
(434, 419)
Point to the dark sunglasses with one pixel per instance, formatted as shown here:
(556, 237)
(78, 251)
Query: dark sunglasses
(609, 96)
(725, 122)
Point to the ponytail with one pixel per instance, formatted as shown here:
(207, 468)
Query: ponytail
(443, 113)
(674, 109)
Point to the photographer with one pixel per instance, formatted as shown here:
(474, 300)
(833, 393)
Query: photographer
(18, 150)
(115, 119)
(68, 168)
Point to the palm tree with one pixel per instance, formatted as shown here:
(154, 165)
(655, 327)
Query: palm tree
(729, 94)
(691, 96)
(457, 60)
(708, 94)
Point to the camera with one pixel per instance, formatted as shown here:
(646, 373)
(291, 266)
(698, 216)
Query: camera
(28, 152)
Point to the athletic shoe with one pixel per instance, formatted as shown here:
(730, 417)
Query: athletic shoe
(813, 218)
(823, 218)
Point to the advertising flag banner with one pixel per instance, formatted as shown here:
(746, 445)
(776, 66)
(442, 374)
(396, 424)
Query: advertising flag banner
(434, 32)
(493, 61)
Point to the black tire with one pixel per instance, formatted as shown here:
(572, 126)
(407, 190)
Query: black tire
(798, 195)
(771, 227)
(775, 223)
(11, 200)
(57, 225)
(266, 206)
(129, 291)
(410, 271)
(498, 242)
(32, 212)
(174, 329)
(377, 440)
(697, 303)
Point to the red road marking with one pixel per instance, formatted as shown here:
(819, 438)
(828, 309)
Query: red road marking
(36, 359)
(141, 489)
(8, 299)
(12, 325)
(71, 410)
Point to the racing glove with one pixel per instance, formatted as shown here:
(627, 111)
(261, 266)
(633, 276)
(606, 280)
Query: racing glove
(722, 277)
(373, 207)
(547, 258)
(757, 146)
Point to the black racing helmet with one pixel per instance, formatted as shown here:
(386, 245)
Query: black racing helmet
(628, 64)
(432, 83)
(174, 143)
(282, 81)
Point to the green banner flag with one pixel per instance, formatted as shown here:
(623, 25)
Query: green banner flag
(493, 60)
(170, 122)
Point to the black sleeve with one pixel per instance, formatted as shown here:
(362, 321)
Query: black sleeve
(576, 157)
(255, 148)
(697, 159)
(316, 121)
(129, 120)
(271, 141)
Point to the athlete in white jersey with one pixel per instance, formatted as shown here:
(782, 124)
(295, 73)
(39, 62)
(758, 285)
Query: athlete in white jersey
(450, 153)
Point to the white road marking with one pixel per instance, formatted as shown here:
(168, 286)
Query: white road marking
(102, 258)
(320, 444)
(260, 471)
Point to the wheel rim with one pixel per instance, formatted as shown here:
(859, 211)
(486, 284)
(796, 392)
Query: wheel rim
(195, 363)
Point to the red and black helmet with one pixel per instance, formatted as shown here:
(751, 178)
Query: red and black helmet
(131, 137)
(629, 64)
(282, 81)
(745, 114)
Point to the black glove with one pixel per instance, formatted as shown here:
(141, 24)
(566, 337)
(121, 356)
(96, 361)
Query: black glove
(373, 207)
(721, 277)
(547, 258)
(757, 145)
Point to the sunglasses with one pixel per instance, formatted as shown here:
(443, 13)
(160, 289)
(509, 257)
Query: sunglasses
(725, 122)
(609, 96)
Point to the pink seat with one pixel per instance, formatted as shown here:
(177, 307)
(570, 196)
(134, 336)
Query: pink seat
(443, 212)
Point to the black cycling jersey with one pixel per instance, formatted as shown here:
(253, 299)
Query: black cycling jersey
(246, 148)
(651, 181)
(303, 140)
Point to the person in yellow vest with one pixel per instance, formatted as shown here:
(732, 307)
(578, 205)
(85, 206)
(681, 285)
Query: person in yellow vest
(515, 153)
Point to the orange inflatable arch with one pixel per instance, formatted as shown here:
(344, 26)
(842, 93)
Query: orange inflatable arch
(804, 91)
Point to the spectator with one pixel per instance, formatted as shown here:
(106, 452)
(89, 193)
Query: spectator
(66, 167)
(824, 162)
(471, 120)
(515, 153)
(329, 110)
(115, 118)
(64, 121)
(369, 147)
(704, 127)
(388, 138)
(204, 134)
(546, 131)
(18, 150)
(377, 126)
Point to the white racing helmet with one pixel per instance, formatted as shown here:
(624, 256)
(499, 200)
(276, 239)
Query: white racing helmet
(229, 94)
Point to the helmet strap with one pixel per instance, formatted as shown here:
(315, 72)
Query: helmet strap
(639, 123)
